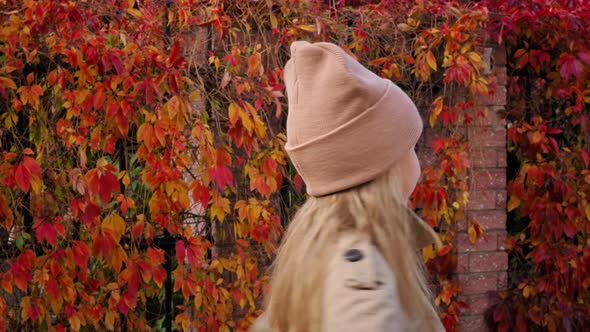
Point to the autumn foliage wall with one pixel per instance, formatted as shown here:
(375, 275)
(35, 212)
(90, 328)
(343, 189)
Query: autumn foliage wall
(548, 55)
(139, 138)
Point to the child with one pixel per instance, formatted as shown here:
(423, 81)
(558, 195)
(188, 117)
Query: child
(349, 261)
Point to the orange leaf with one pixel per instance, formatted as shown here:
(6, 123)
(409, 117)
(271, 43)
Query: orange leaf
(438, 107)
(254, 67)
(513, 203)
(6, 82)
(159, 275)
(137, 229)
(115, 224)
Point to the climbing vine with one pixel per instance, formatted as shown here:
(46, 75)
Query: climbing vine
(142, 149)
(548, 57)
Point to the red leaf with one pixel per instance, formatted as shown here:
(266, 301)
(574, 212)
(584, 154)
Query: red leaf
(586, 158)
(445, 250)
(242, 242)
(174, 59)
(48, 231)
(180, 251)
(570, 66)
(159, 275)
(521, 324)
(81, 254)
(23, 177)
(584, 57)
(221, 176)
(269, 166)
(194, 253)
(102, 183)
(156, 256)
(137, 229)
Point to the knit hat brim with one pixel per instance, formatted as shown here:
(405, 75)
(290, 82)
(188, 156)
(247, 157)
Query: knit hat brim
(361, 149)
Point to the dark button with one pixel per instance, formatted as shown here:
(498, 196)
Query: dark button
(353, 255)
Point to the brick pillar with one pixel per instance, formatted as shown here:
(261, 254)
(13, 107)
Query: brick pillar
(482, 266)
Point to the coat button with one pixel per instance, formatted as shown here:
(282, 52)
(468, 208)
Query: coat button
(353, 255)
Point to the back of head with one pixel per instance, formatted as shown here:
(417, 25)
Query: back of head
(347, 128)
(346, 125)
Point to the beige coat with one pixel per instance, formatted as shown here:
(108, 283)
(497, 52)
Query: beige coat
(360, 293)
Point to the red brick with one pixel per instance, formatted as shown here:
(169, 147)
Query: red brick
(473, 323)
(489, 243)
(499, 121)
(499, 56)
(478, 120)
(502, 280)
(428, 136)
(461, 225)
(501, 199)
(478, 283)
(487, 137)
(487, 262)
(486, 157)
(491, 118)
(500, 72)
(478, 304)
(426, 156)
(488, 178)
(462, 263)
(498, 98)
(495, 219)
(501, 158)
(501, 240)
(482, 200)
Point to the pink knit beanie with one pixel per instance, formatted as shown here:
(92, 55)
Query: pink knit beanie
(346, 125)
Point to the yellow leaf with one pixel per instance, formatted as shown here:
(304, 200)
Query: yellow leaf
(474, 57)
(198, 300)
(135, 12)
(109, 320)
(404, 27)
(587, 211)
(273, 21)
(307, 27)
(431, 60)
(219, 208)
(438, 107)
(513, 203)
(472, 234)
(233, 113)
(116, 224)
(195, 95)
(216, 265)
(428, 253)
(74, 322)
(55, 302)
(526, 291)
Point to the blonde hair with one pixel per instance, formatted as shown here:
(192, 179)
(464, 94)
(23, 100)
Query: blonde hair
(376, 210)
